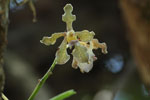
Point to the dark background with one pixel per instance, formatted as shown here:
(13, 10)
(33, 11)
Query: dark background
(113, 76)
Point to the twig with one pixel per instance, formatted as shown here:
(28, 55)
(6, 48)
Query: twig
(21, 3)
(42, 81)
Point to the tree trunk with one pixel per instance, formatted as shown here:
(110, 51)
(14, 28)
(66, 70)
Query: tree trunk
(137, 17)
(4, 9)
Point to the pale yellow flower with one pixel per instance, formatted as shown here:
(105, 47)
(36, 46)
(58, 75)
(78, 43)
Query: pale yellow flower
(82, 41)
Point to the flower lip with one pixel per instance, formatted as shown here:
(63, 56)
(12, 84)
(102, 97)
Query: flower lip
(72, 43)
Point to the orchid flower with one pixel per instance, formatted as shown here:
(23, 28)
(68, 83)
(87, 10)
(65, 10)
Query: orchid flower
(82, 41)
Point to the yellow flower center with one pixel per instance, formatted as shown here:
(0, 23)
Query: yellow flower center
(71, 36)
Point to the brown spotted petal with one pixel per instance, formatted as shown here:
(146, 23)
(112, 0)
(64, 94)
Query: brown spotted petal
(51, 40)
(85, 35)
(97, 45)
(61, 55)
(80, 53)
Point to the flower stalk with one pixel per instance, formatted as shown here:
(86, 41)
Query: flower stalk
(42, 81)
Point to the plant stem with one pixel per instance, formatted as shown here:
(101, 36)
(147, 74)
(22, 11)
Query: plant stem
(64, 95)
(4, 97)
(42, 81)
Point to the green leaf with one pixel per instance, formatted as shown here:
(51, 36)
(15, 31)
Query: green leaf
(64, 95)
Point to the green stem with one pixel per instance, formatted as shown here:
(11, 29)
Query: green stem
(64, 95)
(42, 81)
(4, 97)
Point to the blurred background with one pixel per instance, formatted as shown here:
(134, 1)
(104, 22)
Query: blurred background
(115, 76)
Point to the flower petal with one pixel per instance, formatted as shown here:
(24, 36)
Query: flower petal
(97, 45)
(68, 17)
(85, 67)
(80, 53)
(85, 35)
(61, 55)
(74, 63)
(51, 40)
